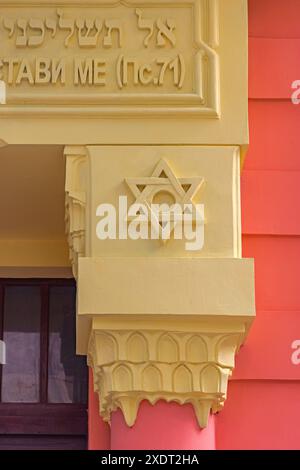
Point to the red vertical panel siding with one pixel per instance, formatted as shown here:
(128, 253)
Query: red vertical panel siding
(276, 202)
(274, 18)
(272, 67)
(263, 407)
(274, 135)
(164, 426)
(260, 415)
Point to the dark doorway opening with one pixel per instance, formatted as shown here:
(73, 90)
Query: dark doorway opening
(43, 383)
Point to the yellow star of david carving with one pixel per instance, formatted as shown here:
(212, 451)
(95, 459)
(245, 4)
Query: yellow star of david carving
(164, 187)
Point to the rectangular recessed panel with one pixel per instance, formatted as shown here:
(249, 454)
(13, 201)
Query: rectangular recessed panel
(113, 54)
(174, 286)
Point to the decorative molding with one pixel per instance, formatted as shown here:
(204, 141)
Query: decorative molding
(75, 203)
(205, 177)
(161, 364)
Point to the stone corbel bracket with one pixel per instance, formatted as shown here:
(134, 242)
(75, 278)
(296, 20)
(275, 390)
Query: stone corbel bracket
(182, 347)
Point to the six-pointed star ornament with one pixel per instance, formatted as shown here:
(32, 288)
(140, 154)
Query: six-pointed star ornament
(163, 187)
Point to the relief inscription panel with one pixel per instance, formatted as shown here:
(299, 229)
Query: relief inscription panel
(111, 57)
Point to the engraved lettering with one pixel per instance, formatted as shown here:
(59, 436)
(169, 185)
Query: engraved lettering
(120, 71)
(113, 25)
(88, 32)
(127, 65)
(164, 64)
(155, 58)
(10, 25)
(24, 73)
(22, 39)
(38, 39)
(83, 71)
(51, 24)
(99, 72)
(145, 74)
(166, 32)
(42, 71)
(89, 71)
(58, 72)
(129, 70)
(11, 70)
(145, 24)
(66, 24)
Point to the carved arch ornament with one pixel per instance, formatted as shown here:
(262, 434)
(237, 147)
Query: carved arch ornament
(184, 367)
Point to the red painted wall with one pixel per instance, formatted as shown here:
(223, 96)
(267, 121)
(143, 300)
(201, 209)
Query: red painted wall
(263, 406)
(164, 426)
(98, 430)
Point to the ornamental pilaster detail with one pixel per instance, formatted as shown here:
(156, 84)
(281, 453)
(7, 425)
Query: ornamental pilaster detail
(160, 321)
(75, 203)
(163, 120)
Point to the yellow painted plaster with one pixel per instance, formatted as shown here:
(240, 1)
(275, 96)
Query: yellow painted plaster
(209, 108)
(126, 86)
